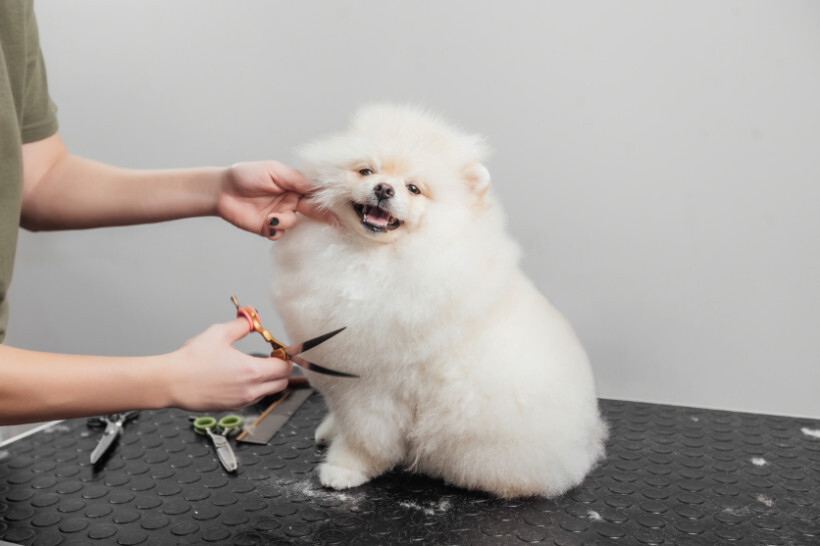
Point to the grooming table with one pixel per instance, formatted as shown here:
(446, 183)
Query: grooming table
(673, 475)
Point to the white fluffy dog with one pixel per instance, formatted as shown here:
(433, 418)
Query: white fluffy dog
(467, 372)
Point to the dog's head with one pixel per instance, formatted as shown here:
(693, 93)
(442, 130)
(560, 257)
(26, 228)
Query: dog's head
(382, 175)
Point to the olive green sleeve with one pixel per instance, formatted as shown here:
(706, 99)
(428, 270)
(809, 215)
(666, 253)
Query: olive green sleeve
(26, 115)
(39, 115)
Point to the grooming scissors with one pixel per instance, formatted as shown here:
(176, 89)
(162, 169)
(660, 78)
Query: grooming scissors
(291, 352)
(113, 428)
(218, 431)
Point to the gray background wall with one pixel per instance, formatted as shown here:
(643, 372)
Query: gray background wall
(658, 162)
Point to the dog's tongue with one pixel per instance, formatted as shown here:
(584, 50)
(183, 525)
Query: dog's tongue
(377, 217)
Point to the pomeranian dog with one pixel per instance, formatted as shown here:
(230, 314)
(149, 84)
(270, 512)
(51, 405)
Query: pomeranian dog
(466, 372)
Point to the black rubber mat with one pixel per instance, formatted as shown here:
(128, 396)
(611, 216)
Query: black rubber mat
(673, 476)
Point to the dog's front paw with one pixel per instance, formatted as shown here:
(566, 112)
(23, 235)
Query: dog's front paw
(337, 477)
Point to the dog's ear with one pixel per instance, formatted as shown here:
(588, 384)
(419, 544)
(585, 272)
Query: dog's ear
(478, 178)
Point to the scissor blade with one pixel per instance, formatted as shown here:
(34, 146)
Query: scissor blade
(112, 430)
(311, 343)
(305, 365)
(223, 451)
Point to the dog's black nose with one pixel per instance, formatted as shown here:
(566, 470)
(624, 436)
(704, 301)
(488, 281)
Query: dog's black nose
(384, 191)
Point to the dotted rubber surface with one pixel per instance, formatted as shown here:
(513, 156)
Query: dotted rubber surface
(673, 475)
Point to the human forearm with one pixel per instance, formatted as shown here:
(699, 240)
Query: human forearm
(38, 386)
(76, 193)
(62, 191)
(205, 374)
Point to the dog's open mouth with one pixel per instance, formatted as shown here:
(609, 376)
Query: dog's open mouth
(375, 218)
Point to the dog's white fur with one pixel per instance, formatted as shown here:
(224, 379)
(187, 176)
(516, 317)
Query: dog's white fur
(467, 372)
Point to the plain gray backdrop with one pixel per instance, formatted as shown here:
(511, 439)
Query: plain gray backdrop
(659, 164)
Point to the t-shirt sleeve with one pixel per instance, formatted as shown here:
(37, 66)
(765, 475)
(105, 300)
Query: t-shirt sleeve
(39, 119)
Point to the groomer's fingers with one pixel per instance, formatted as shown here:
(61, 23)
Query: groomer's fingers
(222, 332)
(236, 329)
(272, 387)
(282, 370)
(288, 178)
(276, 376)
(274, 370)
(309, 207)
(280, 222)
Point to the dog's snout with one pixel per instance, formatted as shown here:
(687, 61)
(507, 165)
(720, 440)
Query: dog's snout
(384, 191)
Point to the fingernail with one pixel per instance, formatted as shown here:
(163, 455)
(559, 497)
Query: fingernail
(274, 221)
(272, 233)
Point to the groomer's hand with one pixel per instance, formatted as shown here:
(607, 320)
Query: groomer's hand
(264, 196)
(208, 374)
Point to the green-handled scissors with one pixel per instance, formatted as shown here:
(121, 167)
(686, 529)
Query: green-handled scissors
(217, 431)
(288, 353)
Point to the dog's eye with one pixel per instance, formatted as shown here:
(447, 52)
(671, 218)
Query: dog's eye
(413, 189)
(365, 172)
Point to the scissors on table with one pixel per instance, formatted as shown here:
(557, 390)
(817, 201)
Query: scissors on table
(218, 432)
(288, 353)
(113, 428)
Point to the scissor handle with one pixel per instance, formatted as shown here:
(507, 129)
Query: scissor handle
(252, 316)
(244, 313)
(227, 426)
(230, 424)
(201, 424)
(127, 416)
(280, 354)
(103, 420)
(96, 421)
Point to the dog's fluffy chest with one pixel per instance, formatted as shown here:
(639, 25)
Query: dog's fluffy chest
(393, 299)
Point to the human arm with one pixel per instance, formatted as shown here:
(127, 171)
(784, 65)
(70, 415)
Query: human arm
(64, 191)
(205, 374)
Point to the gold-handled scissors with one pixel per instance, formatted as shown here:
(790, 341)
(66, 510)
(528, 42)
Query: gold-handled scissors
(288, 353)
